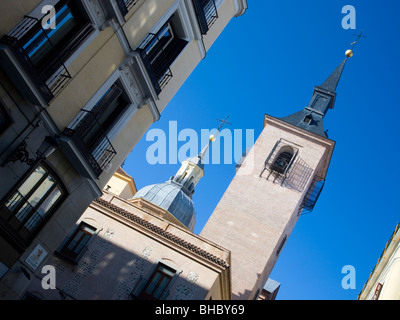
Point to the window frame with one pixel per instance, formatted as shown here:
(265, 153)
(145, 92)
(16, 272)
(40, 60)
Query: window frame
(181, 25)
(63, 250)
(49, 77)
(151, 296)
(283, 155)
(14, 233)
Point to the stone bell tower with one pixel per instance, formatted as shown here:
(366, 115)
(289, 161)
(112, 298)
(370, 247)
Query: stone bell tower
(281, 177)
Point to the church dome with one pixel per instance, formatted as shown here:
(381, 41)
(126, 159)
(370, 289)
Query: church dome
(171, 197)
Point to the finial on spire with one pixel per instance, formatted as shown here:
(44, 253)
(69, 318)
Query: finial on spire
(214, 137)
(350, 52)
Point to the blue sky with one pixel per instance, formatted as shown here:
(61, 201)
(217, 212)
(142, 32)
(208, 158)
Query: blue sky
(268, 61)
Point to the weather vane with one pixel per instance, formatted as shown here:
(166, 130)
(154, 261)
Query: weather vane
(359, 37)
(223, 122)
(213, 137)
(349, 53)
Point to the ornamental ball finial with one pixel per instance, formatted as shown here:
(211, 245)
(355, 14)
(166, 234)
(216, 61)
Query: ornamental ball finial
(349, 53)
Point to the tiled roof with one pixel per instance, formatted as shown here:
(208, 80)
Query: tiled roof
(163, 233)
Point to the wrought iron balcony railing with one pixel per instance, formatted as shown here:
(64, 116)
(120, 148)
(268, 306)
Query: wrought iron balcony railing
(126, 5)
(312, 195)
(42, 61)
(158, 52)
(157, 66)
(139, 291)
(90, 138)
(23, 225)
(207, 13)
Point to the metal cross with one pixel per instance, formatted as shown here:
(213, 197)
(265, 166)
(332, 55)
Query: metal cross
(359, 37)
(223, 122)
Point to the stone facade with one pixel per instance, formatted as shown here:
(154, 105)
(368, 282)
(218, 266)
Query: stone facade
(60, 92)
(256, 227)
(120, 259)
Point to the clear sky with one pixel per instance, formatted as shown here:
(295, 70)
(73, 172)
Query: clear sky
(268, 61)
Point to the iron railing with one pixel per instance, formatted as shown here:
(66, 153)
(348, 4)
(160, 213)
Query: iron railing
(312, 195)
(207, 13)
(126, 5)
(50, 76)
(91, 140)
(138, 291)
(23, 224)
(156, 61)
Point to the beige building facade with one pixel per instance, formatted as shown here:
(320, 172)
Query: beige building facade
(384, 280)
(81, 82)
(132, 249)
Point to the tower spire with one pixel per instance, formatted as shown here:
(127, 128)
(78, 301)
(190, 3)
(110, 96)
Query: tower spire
(332, 82)
(192, 169)
(323, 99)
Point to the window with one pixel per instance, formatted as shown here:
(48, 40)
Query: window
(25, 211)
(156, 287)
(282, 161)
(160, 43)
(159, 51)
(73, 246)
(308, 118)
(91, 128)
(42, 52)
(206, 11)
(377, 291)
(126, 5)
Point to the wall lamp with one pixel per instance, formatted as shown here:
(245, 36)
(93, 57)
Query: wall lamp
(48, 146)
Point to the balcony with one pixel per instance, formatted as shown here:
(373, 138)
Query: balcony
(312, 195)
(158, 52)
(86, 144)
(21, 228)
(34, 57)
(126, 5)
(206, 11)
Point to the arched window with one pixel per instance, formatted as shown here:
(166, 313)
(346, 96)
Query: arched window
(282, 161)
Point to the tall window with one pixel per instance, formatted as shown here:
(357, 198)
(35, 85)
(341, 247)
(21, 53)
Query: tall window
(74, 246)
(156, 287)
(42, 45)
(43, 50)
(160, 50)
(90, 129)
(30, 204)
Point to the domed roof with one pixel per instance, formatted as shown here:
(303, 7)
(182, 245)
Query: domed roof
(171, 197)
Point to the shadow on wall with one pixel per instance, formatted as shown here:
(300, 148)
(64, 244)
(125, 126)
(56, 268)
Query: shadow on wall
(108, 272)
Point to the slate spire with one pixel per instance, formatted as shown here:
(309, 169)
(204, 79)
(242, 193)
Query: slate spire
(323, 99)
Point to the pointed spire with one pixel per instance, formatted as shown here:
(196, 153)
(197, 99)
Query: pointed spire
(324, 96)
(332, 82)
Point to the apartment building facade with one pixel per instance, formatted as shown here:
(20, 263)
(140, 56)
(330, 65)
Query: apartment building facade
(81, 81)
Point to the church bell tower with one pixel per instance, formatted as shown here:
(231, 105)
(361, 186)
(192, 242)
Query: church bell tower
(261, 206)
